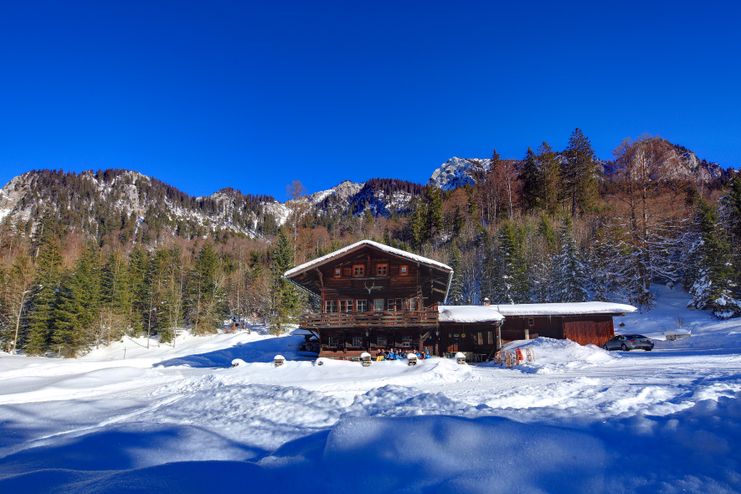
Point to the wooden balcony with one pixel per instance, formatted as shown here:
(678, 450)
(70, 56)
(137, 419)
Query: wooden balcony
(372, 319)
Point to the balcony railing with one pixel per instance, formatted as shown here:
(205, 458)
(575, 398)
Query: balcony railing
(371, 319)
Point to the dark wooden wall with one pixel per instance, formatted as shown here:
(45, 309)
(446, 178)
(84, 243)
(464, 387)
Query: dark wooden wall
(408, 339)
(596, 330)
(467, 337)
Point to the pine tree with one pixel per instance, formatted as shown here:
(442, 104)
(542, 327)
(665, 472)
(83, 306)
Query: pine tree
(115, 286)
(78, 303)
(714, 286)
(115, 299)
(15, 289)
(550, 171)
(580, 173)
(434, 211)
(43, 296)
(490, 268)
(169, 293)
(420, 232)
(286, 300)
(511, 285)
(731, 218)
(455, 295)
(459, 221)
(605, 265)
(139, 288)
(206, 308)
(540, 272)
(532, 181)
(570, 272)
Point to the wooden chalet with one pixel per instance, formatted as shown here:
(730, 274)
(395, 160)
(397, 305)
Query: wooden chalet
(374, 297)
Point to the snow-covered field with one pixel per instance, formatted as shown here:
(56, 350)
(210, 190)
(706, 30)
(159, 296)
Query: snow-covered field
(578, 419)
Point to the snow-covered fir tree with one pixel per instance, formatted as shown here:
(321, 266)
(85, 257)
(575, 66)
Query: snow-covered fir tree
(714, 287)
(570, 273)
(455, 294)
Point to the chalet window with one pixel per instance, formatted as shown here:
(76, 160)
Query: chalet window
(403, 270)
(378, 304)
(412, 304)
(381, 341)
(530, 322)
(361, 305)
(406, 341)
(330, 306)
(480, 338)
(357, 341)
(338, 272)
(393, 304)
(332, 341)
(382, 269)
(490, 338)
(346, 305)
(358, 270)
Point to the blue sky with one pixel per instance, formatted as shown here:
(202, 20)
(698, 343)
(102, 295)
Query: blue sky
(252, 95)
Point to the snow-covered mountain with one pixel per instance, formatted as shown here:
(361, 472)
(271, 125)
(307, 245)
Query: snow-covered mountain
(98, 202)
(132, 205)
(459, 172)
(127, 201)
(671, 162)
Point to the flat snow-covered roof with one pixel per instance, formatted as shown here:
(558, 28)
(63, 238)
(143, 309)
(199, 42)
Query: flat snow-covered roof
(493, 313)
(468, 313)
(391, 250)
(563, 309)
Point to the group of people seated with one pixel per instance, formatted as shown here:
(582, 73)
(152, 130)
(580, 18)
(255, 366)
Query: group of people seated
(399, 354)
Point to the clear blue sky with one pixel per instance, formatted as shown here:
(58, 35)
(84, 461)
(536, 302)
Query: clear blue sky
(252, 95)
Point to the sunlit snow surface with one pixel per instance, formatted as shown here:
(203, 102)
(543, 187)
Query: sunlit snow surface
(578, 419)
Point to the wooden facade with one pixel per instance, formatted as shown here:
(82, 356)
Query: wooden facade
(373, 298)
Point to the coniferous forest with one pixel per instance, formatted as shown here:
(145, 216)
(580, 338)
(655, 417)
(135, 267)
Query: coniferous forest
(553, 226)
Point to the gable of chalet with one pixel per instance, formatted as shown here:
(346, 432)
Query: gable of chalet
(309, 275)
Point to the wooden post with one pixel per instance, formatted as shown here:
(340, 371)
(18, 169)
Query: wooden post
(527, 333)
(499, 335)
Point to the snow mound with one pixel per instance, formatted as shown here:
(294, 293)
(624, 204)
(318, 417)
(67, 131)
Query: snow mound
(257, 415)
(552, 356)
(399, 401)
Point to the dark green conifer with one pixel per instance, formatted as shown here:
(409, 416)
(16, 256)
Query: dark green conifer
(44, 296)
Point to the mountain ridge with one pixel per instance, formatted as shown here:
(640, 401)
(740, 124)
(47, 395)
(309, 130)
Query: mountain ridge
(127, 200)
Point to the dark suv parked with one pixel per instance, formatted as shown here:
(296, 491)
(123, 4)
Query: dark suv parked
(627, 342)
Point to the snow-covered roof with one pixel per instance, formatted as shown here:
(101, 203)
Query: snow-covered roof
(468, 313)
(493, 313)
(391, 250)
(563, 309)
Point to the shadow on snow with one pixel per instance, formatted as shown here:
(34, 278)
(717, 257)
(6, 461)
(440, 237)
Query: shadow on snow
(254, 351)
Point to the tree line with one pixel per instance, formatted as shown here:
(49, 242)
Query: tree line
(48, 307)
(555, 226)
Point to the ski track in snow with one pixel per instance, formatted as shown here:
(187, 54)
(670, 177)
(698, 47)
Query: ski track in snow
(186, 404)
